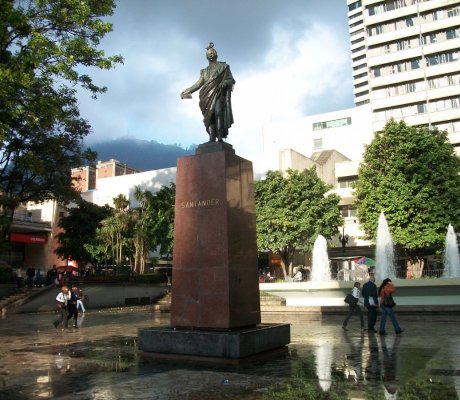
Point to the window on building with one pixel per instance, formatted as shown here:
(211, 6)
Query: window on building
(453, 12)
(354, 6)
(451, 34)
(363, 93)
(415, 64)
(348, 211)
(421, 108)
(346, 182)
(357, 40)
(317, 144)
(442, 58)
(390, 6)
(357, 32)
(360, 75)
(359, 67)
(334, 123)
(356, 24)
(358, 49)
(361, 57)
(355, 16)
(361, 84)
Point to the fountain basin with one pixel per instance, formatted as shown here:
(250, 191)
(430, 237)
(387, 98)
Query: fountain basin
(414, 292)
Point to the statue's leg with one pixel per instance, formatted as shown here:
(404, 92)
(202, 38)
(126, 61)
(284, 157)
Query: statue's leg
(219, 128)
(212, 132)
(218, 119)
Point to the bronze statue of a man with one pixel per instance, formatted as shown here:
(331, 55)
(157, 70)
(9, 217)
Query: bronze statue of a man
(216, 83)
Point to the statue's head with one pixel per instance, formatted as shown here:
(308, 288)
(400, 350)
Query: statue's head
(211, 53)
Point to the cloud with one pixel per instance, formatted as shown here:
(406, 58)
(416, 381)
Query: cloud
(289, 82)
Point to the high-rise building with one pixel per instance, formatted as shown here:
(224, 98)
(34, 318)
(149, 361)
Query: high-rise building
(405, 59)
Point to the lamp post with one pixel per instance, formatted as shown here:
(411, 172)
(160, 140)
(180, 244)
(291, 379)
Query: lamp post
(343, 239)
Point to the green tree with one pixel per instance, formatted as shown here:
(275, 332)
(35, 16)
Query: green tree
(292, 211)
(154, 223)
(46, 48)
(113, 238)
(79, 229)
(142, 237)
(164, 219)
(412, 175)
(120, 227)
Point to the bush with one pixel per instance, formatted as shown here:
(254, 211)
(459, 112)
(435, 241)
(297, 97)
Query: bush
(151, 278)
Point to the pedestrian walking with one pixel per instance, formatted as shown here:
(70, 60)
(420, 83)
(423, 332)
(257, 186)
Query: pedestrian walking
(61, 304)
(387, 304)
(371, 302)
(72, 305)
(80, 301)
(354, 308)
(30, 276)
(19, 277)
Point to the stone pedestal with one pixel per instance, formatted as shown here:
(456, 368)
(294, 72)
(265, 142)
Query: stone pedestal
(215, 284)
(215, 290)
(200, 344)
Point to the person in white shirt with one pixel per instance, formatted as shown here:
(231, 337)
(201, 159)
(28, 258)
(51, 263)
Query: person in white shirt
(354, 308)
(61, 304)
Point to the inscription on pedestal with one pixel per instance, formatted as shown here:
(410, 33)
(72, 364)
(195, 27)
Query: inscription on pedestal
(200, 203)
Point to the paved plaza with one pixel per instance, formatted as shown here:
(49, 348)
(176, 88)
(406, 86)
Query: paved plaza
(100, 360)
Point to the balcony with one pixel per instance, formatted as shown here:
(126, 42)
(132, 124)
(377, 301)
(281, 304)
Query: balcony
(27, 222)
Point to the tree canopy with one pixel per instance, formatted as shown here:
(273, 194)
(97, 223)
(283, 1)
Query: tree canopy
(46, 50)
(292, 210)
(79, 228)
(412, 175)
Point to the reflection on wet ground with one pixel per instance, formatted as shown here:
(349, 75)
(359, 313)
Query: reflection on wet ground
(100, 360)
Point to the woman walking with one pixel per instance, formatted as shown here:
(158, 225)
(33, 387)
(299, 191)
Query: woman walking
(386, 290)
(61, 303)
(354, 308)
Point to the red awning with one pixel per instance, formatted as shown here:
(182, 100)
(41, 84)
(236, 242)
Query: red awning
(28, 238)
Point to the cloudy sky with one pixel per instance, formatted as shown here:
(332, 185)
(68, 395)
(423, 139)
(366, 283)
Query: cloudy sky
(289, 58)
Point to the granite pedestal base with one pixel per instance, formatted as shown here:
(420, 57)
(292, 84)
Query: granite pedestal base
(211, 345)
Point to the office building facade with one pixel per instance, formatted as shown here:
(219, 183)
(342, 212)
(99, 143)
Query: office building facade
(405, 60)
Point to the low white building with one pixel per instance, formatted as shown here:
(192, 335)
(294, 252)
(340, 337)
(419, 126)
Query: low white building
(345, 131)
(108, 188)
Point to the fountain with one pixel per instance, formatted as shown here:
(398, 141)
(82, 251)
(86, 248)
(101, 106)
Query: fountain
(451, 255)
(320, 262)
(384, 252)
(322, 293)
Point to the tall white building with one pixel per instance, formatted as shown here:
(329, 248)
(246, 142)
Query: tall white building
(405, 59)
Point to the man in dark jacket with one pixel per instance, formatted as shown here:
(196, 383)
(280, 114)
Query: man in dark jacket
(371, 302)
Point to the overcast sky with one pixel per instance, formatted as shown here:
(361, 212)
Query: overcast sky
(289, 58)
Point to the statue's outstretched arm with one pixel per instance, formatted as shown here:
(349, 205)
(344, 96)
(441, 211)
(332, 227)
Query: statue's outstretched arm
(187, 93)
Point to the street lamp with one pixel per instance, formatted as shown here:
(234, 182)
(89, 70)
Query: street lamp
(343, 239)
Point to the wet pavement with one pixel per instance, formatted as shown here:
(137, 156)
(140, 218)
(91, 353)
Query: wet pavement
(100, 360)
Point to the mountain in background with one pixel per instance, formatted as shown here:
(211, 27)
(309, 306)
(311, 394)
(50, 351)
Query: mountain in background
(141, 154)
